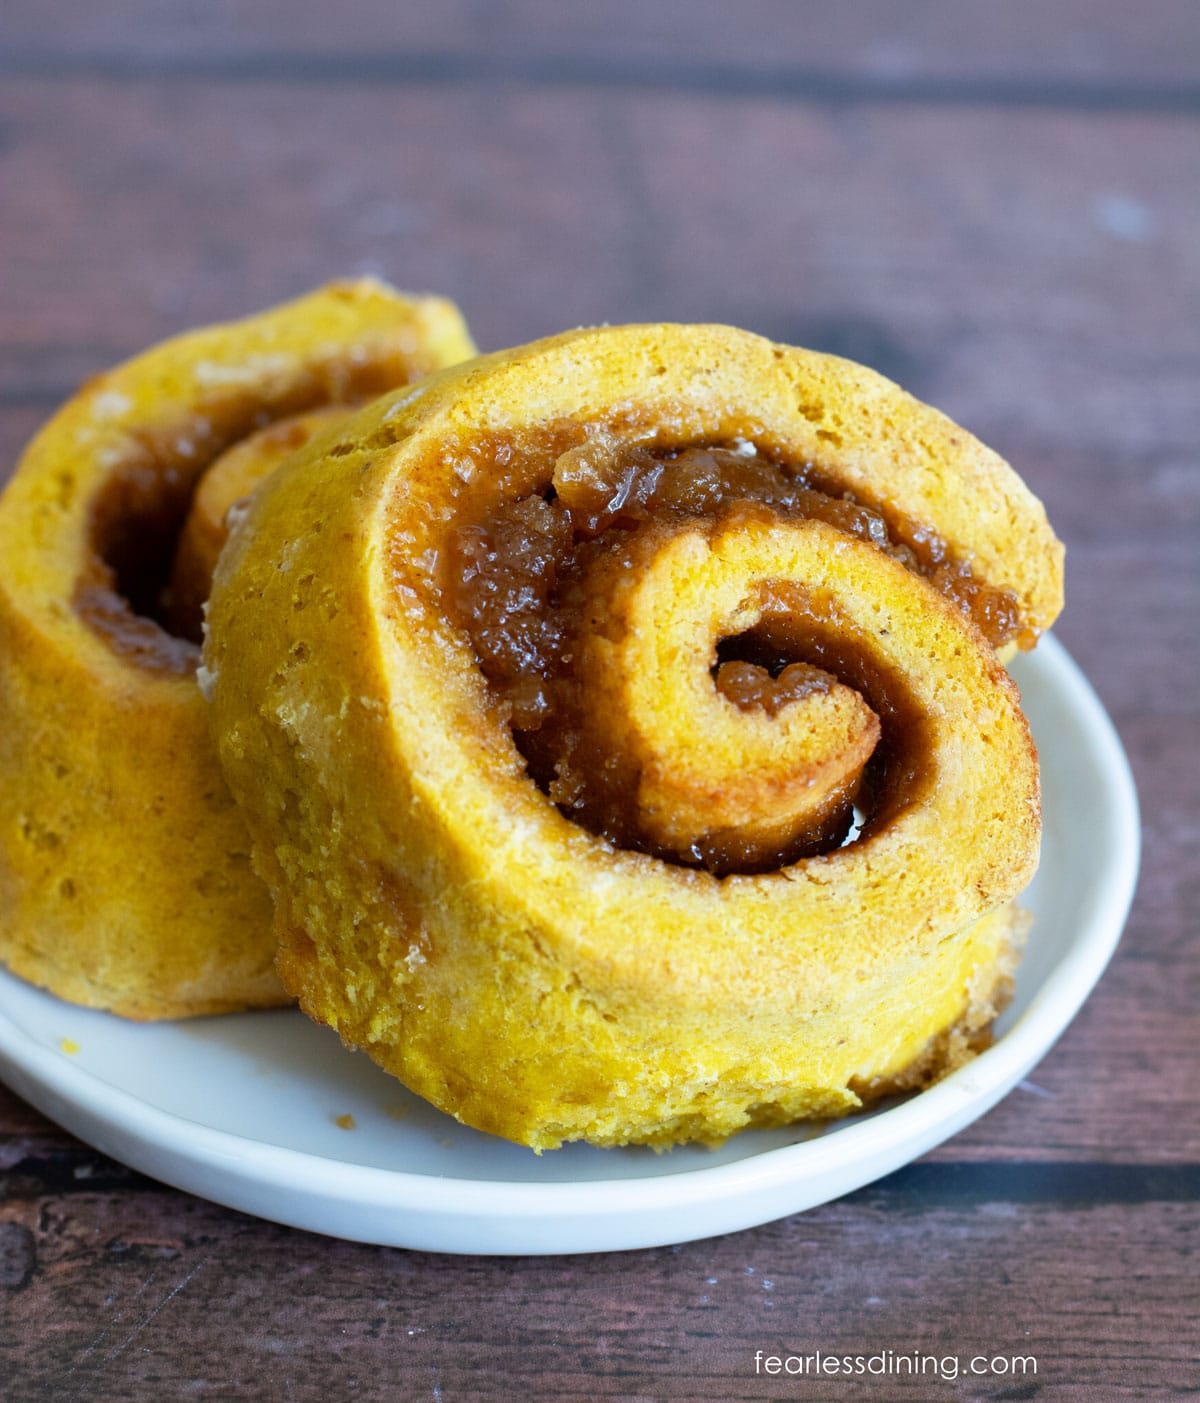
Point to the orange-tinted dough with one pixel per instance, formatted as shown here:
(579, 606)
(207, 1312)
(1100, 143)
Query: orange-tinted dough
(436, 901)
(125, 878)
(229, 481)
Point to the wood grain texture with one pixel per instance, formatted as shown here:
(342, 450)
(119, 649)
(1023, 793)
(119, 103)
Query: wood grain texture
(1031, 278)
(995, 205)
(171, 1298)
(1023, 49)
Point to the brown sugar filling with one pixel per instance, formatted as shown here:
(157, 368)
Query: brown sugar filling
(750, 685)
(137, 514)
(513, 580)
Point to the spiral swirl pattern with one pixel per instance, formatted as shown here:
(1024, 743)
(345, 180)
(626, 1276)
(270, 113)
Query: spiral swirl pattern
(550, 690)
(125, 878)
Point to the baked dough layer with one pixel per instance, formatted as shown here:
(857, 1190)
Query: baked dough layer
(526, 975)
(125, 878)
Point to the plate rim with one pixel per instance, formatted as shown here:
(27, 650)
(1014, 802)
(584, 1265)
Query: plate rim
(73, 1096)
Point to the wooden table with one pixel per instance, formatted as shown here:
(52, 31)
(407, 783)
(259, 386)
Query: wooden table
(995, 205)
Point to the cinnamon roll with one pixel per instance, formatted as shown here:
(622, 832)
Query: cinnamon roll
(125, 878)
(621, 731)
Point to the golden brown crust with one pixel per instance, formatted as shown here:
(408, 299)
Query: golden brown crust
(989, 991)
(432, 902)
(230, 480)
(125, 878)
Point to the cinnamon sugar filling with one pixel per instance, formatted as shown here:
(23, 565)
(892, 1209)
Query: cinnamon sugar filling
(529, 579)
(128, 588)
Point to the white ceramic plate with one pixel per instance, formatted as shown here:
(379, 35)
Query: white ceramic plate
(245, 1109)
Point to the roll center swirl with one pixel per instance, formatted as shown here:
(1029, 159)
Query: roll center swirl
(689, 770)
(666, 634)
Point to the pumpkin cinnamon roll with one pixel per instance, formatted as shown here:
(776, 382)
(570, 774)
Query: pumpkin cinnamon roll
(125, 879)
(620, 727)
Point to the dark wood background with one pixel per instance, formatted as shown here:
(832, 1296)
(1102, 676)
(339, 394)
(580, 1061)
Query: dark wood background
(997, 205)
